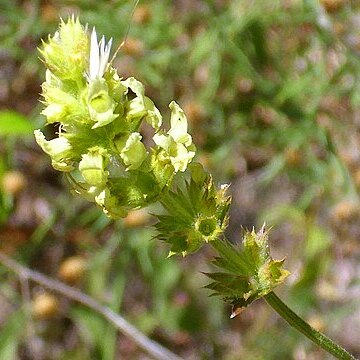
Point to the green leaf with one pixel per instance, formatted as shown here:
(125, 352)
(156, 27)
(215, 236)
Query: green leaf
(13, 123)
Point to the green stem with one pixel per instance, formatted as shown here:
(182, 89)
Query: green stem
(299, 324)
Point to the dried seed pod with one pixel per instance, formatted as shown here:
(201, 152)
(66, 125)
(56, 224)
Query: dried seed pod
(133, 47)
(45, 306)
(14, 182)
(245, 86)
(293, 157)
(332, 6)
(345, 211)
(72, 269)
(357, 178)
(142, 14)
(194, 112)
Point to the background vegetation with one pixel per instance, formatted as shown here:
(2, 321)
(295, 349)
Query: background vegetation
(272, 92)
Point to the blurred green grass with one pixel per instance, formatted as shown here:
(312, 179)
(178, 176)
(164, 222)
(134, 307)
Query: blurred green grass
(272, 94)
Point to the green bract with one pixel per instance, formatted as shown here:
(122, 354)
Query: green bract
(197, 213)
(248, 273)
(99, 143)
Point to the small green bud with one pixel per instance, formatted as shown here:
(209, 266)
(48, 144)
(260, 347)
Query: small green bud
(208, 227)
(116, 89)
(66, 53)
(161, 168)
(62, 106)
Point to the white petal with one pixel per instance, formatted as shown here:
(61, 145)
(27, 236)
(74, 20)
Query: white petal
(99, 56)
(104, 58)
(102, 46)
(94, 56)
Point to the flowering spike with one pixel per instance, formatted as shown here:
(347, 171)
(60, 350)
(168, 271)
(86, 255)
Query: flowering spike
(99, 143)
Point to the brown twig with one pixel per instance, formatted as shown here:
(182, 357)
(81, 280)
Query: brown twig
(152, 348)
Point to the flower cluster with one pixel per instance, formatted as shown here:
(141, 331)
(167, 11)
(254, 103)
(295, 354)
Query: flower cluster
(99, 144)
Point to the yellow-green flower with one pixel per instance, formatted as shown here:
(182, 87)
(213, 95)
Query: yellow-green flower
(176, 143)
(99, 143)
(59, 149)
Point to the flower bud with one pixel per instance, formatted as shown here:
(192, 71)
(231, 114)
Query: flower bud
(65, 54)
(245, 273)
(110, 205)
(208, 227)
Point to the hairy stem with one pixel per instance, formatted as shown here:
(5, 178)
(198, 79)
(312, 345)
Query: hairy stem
(299, 324)
(152, 348)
